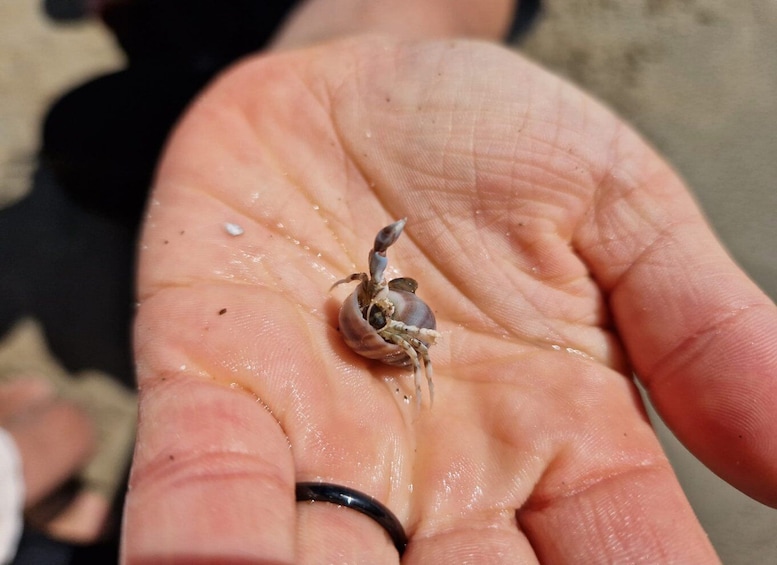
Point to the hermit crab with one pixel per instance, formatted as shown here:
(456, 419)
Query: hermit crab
(385, 320)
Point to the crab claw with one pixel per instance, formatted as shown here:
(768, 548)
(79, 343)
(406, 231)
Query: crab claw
(385, 238)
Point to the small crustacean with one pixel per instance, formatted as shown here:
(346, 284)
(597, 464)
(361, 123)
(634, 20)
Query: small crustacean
(385, 320)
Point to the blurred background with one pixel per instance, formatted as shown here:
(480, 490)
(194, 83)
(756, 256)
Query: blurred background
(698, 78)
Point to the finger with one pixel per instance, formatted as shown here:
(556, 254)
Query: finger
(477, 539)
(578, 476)
(329, 533)
(195, 422)
(700, 334)
(212, 476)
(628, 517)
(609, 494)
(639, 515)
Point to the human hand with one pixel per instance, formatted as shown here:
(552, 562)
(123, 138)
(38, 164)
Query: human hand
(558, 253)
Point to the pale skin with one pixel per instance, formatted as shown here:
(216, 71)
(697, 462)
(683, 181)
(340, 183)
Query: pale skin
(55, 439)
(558, 252)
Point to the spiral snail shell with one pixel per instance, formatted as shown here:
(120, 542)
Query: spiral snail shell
(385, 320)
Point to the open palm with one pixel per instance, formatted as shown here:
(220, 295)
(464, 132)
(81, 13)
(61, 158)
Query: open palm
(558, 252)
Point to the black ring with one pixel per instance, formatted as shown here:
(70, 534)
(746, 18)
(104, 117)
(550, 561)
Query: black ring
(364, 503)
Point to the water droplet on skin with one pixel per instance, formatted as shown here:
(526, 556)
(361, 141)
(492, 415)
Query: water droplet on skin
(316, 207)
(318, 267)
(574, 351)
(368, 134)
